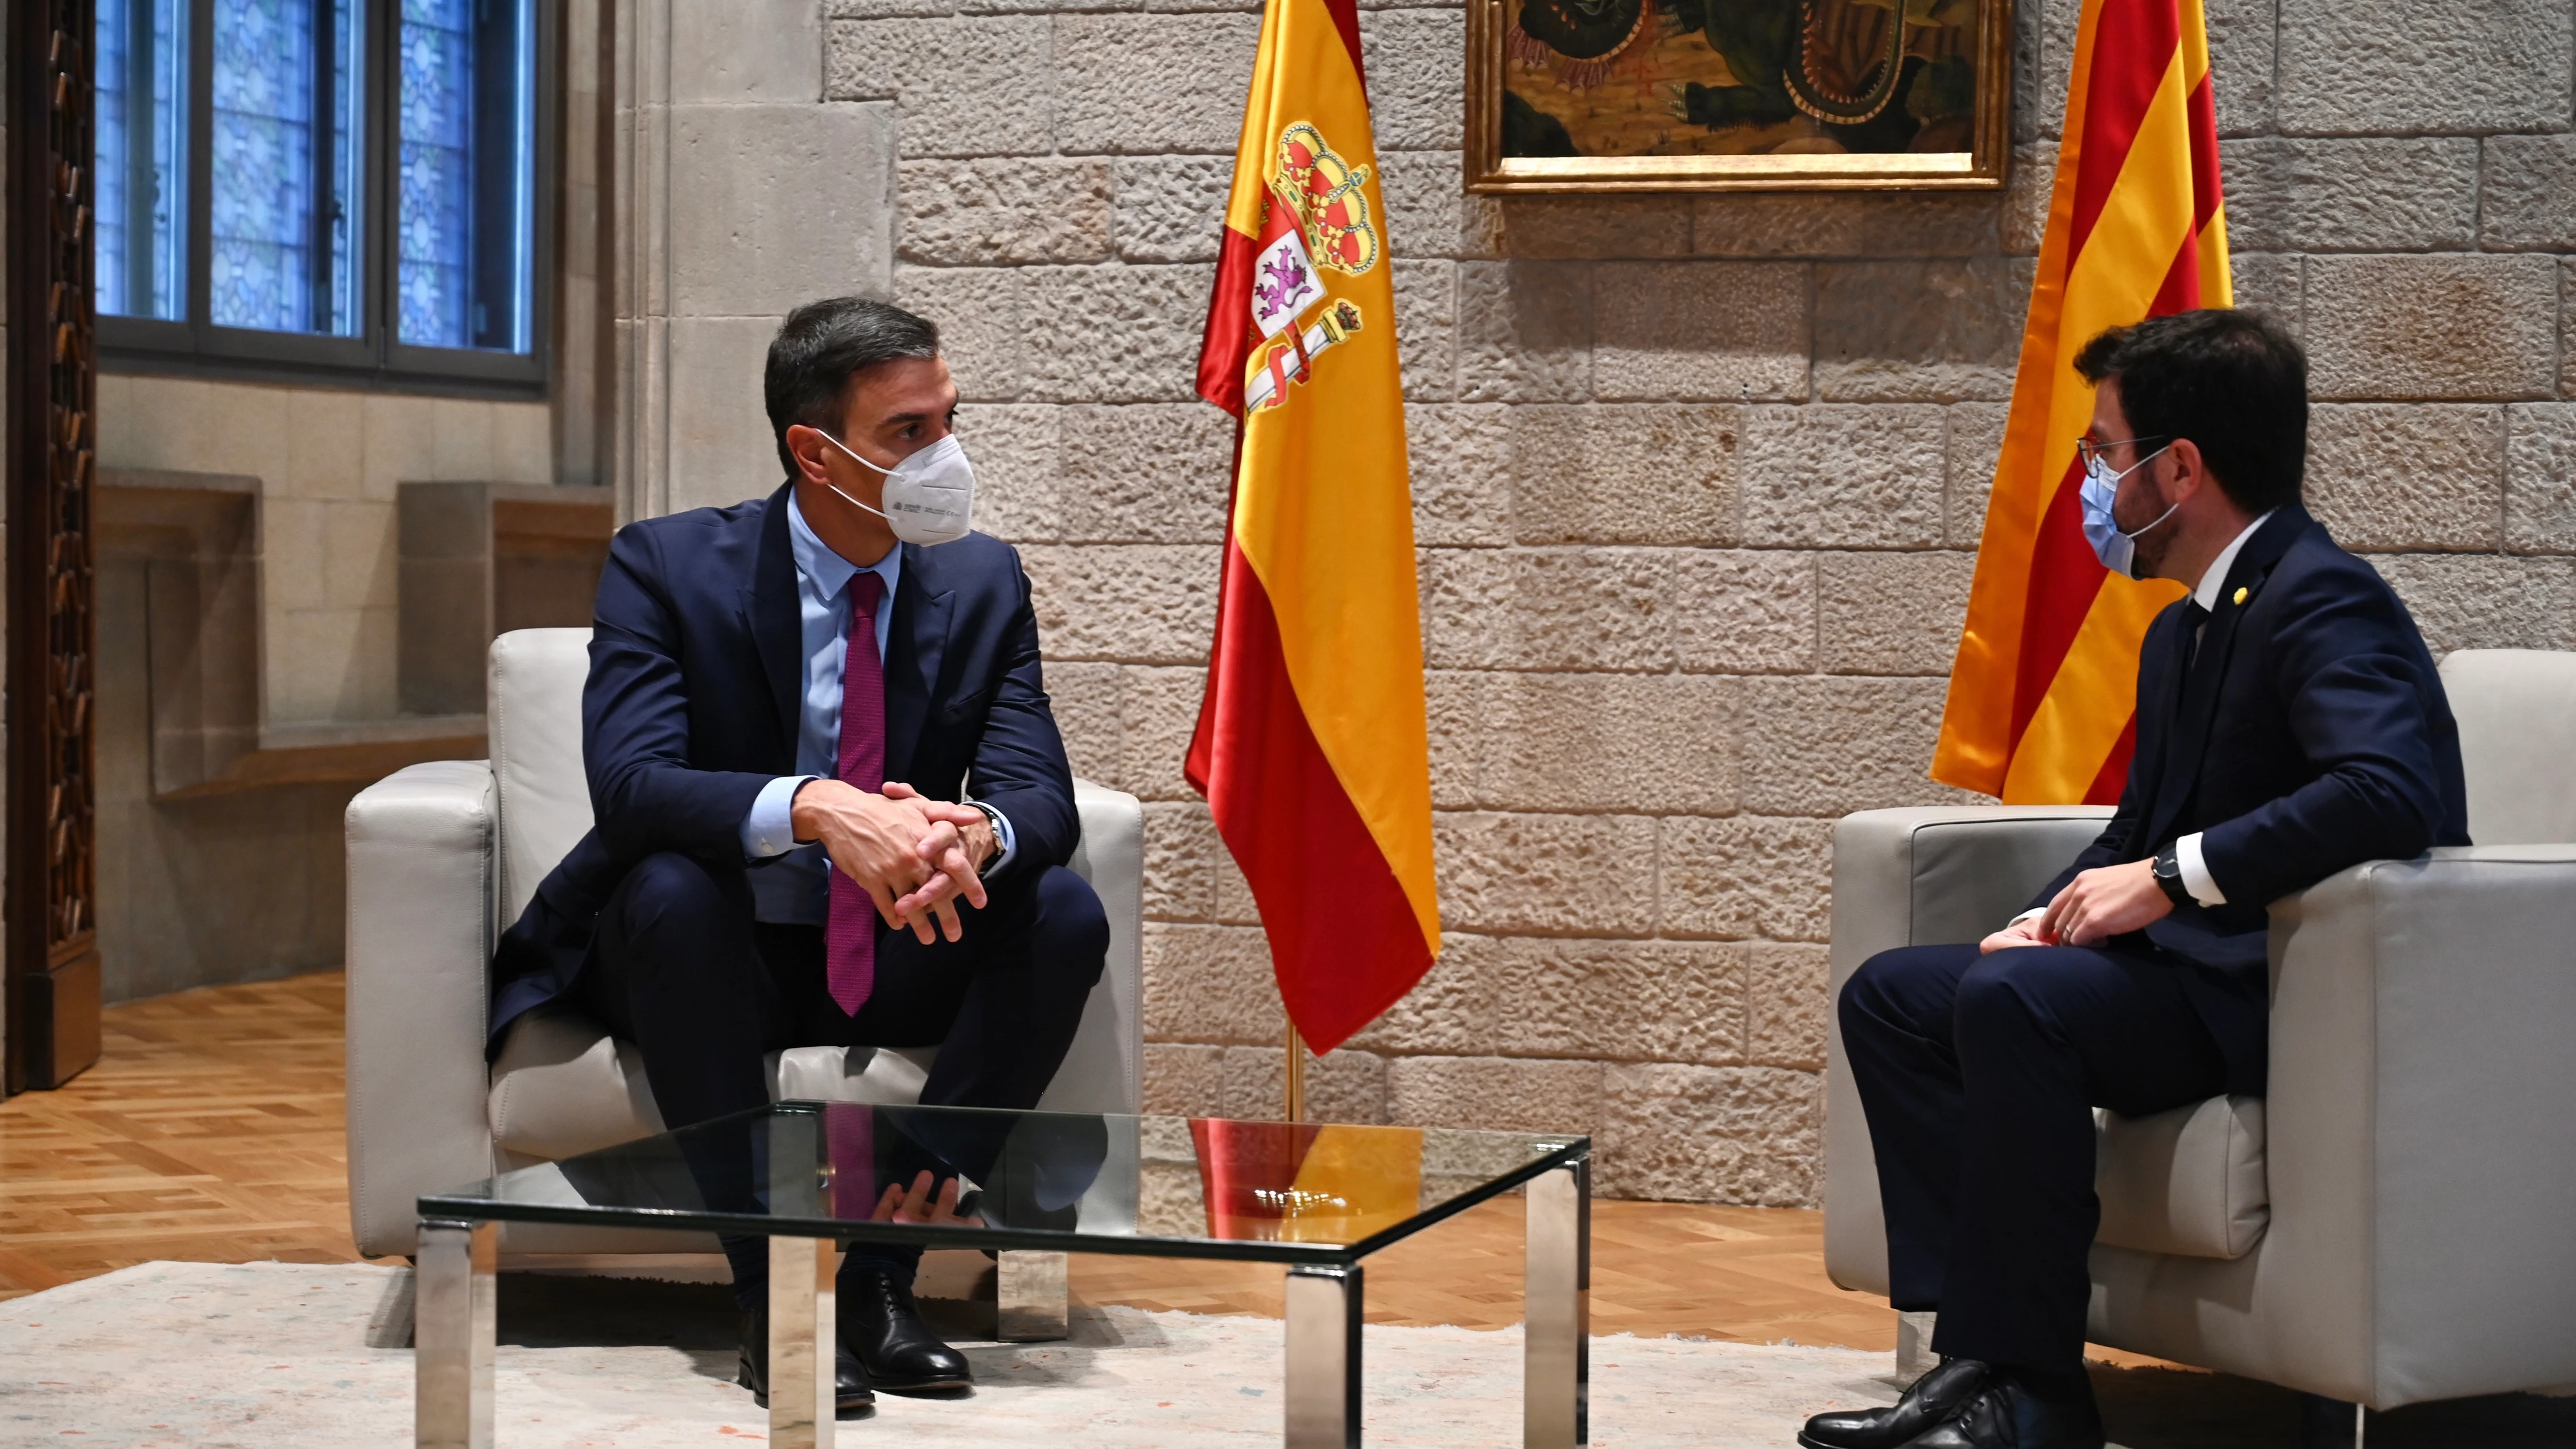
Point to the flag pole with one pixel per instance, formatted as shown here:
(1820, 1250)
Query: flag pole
(1296, 1074)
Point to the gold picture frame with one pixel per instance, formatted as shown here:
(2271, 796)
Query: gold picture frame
(1641, 95)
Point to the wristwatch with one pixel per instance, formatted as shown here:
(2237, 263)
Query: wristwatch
(2169, 877)
(993, 818)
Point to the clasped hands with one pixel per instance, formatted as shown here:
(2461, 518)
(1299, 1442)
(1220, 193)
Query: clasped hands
(914, 856)
(2098, 904)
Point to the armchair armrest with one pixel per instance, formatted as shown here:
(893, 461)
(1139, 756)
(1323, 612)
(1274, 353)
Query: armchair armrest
(1922, 876)
(419, 953)
(2423, 1125)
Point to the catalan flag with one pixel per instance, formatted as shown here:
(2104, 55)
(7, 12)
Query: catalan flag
(2043, 697)
(1311, 745)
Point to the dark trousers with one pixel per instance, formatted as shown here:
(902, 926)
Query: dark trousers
(1978, 1075)
(680, 968)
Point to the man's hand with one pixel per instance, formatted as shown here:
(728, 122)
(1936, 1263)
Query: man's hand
(2110, 901)
(954, 849)
(872, 839)
(2019, 933)
(917, 1206)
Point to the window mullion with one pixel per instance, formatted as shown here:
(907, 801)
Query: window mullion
(140, 240)
(201, 165)
(384, 150)
(318, 159)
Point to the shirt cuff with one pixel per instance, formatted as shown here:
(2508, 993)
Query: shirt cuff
(2032, 914)
(2195, 872)
(1008, 838)
(770, 827)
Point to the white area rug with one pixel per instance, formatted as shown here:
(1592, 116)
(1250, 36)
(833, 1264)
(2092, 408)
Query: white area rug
(275, 1355)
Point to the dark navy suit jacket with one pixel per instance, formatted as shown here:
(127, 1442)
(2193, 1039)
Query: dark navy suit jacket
(2310, 734)
(693, 702)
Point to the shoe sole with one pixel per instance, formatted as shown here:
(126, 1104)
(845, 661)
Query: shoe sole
(923, 1386)
(760, 1397)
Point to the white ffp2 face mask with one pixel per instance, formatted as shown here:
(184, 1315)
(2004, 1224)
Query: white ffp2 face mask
(929, 497)
(2117, 550)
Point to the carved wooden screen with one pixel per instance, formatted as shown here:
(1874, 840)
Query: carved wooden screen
(51, 899)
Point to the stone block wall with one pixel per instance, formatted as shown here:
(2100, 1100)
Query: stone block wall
(329, 462)
(248, 885)
(1698, 484)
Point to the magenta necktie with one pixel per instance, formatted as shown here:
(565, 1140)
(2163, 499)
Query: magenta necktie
(850, 927)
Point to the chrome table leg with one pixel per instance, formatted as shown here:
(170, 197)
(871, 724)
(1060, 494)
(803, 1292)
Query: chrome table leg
(1556, 1372)
(453, 1301)
(1030, 1296)
(802, 1303)
(1323, 1358)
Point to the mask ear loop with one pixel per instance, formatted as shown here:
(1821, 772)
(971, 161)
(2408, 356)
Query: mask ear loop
(2133, 535)
(864, 463)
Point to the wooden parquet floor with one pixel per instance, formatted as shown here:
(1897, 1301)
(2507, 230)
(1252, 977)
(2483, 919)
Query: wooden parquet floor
(211, 1130)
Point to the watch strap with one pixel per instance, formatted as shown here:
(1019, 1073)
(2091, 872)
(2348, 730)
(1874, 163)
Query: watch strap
(2168, 871)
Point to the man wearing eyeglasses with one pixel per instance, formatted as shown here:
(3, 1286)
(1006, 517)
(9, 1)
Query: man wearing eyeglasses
(2289, 724)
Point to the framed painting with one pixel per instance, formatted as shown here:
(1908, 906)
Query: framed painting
(1738, 95)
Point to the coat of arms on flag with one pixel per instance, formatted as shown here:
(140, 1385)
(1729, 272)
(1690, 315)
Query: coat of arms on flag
(1283, 281)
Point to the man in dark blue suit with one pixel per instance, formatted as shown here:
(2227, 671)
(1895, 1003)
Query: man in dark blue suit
(832, 806)
(2289, 724)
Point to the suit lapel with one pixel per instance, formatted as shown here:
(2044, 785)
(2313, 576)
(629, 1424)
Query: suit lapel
(2199, 690)
(2158, 707)
(2200, 683)
(917, 645)
(777, 632)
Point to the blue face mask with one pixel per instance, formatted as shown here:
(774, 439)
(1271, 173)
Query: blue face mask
(2118, 551)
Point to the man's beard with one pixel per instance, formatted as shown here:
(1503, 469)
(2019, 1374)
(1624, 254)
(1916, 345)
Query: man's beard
(2151, 549)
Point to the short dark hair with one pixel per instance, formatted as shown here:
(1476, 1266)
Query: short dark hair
(2232, 381)
(820, 347)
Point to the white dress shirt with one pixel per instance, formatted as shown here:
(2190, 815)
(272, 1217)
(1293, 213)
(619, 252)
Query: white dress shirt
(2195, 870)
(797, 891)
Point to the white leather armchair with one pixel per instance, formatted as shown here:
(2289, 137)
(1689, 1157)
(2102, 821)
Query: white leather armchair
(442, 854)
(2391, 1224)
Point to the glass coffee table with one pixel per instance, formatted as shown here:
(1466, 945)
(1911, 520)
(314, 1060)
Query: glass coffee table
(1315, 1198)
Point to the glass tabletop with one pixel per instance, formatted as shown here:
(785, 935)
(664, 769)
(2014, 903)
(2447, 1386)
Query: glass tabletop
(1185, 1187)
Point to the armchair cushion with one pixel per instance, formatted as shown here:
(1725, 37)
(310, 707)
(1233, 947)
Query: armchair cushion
(882, 1076)
(2513, 706)
(2188, 1182)
(562, 1085)
(535, 724)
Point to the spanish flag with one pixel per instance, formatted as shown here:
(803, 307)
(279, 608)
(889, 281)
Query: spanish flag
(1311, 746)
(2043, 698)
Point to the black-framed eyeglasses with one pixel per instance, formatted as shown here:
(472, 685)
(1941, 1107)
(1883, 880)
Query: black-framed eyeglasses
(2088, 449)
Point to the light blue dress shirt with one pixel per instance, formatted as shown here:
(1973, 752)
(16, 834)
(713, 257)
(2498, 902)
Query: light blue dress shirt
(797, 890)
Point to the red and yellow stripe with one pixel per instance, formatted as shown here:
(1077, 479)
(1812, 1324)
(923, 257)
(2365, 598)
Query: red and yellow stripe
(1311, 746)
(2043, 696)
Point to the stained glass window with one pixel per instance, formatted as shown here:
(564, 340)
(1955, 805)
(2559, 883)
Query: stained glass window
(334, 171)
(284, 200)
(467, 194)
(142, 157)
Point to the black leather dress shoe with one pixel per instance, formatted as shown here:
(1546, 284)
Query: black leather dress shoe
(2007, 1415)
(849, 1381)
(880, 1321)
(1933, 1398)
